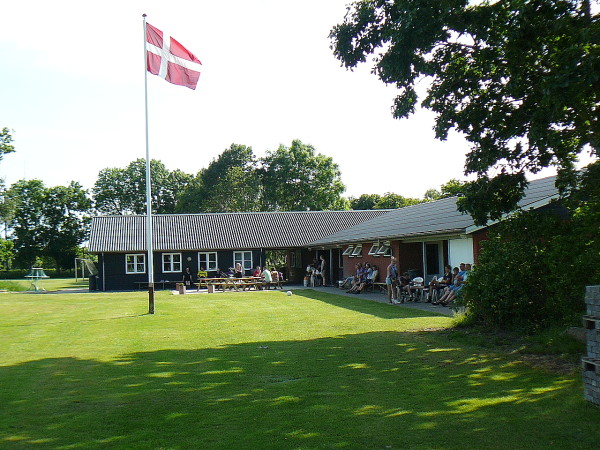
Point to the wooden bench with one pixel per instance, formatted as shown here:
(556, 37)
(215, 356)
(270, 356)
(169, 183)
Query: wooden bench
(381, 286)
(157, 284)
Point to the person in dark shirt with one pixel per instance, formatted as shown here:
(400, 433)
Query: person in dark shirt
(187, 278)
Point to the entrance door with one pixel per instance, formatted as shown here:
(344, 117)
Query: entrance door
(432, 258)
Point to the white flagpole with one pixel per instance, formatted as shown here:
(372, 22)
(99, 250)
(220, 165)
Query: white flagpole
(150, 263)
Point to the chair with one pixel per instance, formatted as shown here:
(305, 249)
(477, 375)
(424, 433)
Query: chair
(418, 286)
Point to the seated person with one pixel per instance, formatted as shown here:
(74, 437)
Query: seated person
(437, 284)
(370, 278)
(275, 278)
(257, 272)
(202, 273)
(451, 292)
(349, 280)
(404, 284)
(267, 278)
(362, 275)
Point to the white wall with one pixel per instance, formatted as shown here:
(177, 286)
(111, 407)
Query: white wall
(460, 250)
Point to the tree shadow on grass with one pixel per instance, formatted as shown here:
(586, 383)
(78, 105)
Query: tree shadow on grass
(372, 390)
(372, 308)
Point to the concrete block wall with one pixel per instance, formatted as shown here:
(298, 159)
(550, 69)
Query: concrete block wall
(591, 362)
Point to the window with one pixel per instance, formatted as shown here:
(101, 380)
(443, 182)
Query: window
(357, 251)
(348, 251)
(375, 249)
(296, 259)
(385, 250)
(171, 262)
(208, 260)
(244, 258)
(135, 263)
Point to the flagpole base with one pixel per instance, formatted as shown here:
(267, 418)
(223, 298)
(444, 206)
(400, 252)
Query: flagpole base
(151, 298)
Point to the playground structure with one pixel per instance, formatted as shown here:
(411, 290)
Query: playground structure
(36, 275)
(85, 264)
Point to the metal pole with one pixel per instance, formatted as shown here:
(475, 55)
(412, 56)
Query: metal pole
(150, 263)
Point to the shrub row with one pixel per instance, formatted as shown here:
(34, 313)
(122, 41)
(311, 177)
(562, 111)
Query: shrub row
(17, 274)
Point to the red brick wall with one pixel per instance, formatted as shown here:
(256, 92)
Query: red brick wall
(478, 238)
(410, 256)
(380, 261)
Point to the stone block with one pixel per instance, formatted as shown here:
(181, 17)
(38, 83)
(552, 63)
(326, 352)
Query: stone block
(592, 295)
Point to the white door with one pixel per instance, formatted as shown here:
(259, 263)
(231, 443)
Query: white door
(460, 251)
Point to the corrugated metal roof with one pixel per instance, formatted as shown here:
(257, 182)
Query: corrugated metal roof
(431, 218)
(221, 231)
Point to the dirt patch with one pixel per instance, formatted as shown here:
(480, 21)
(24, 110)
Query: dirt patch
(551, 363)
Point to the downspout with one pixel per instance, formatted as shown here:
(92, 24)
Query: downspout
(424, 260)
(103, 275)
(331, 282)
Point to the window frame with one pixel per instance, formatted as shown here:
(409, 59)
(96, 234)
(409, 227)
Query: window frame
(348, 251)
(136, 263)
(385, 250)
(357, 252)
(374, 250)
(207, 266)
(243, 260)
(172, 263)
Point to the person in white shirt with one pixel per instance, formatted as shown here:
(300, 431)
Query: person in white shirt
(267, 279)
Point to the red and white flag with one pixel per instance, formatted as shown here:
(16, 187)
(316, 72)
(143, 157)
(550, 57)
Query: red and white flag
(170, 60)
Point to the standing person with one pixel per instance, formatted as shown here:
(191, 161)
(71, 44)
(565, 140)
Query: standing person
(239, 271)
(187, 278)
(323, 269)
(391, 280)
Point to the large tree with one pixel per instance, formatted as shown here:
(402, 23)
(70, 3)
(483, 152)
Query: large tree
(123, 191)
(5, 142)
(518, 78)
(49, 222)
(364, 202)
(389, 200)
(230, 183)
(6, 206)
(297, 178)
(452, 188)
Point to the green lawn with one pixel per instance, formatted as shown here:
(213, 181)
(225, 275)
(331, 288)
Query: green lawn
(264, 370)
(50, 284)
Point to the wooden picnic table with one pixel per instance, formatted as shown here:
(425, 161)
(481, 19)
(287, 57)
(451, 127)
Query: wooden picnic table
(163, 284)
(230, 282)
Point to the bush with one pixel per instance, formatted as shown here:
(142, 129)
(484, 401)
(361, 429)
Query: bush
(532, 273)
(17, 274)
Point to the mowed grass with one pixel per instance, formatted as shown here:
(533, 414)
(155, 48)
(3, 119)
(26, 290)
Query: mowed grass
(48, 284)
(264, 370)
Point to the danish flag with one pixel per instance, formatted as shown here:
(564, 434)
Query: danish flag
(170, 60)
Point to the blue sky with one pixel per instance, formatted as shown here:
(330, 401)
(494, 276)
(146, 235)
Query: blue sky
(72, 89)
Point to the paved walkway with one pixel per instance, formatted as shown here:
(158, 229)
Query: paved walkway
(381, 298)
(371, 296)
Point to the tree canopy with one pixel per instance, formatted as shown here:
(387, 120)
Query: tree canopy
(520, 79)
(297, 178)
(123, 191)
(5, 142)
(49, 222)
(452, 188)
(230, 183)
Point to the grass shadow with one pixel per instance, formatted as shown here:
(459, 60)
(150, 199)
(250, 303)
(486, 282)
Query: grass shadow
(372, 308)
(370, 390)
